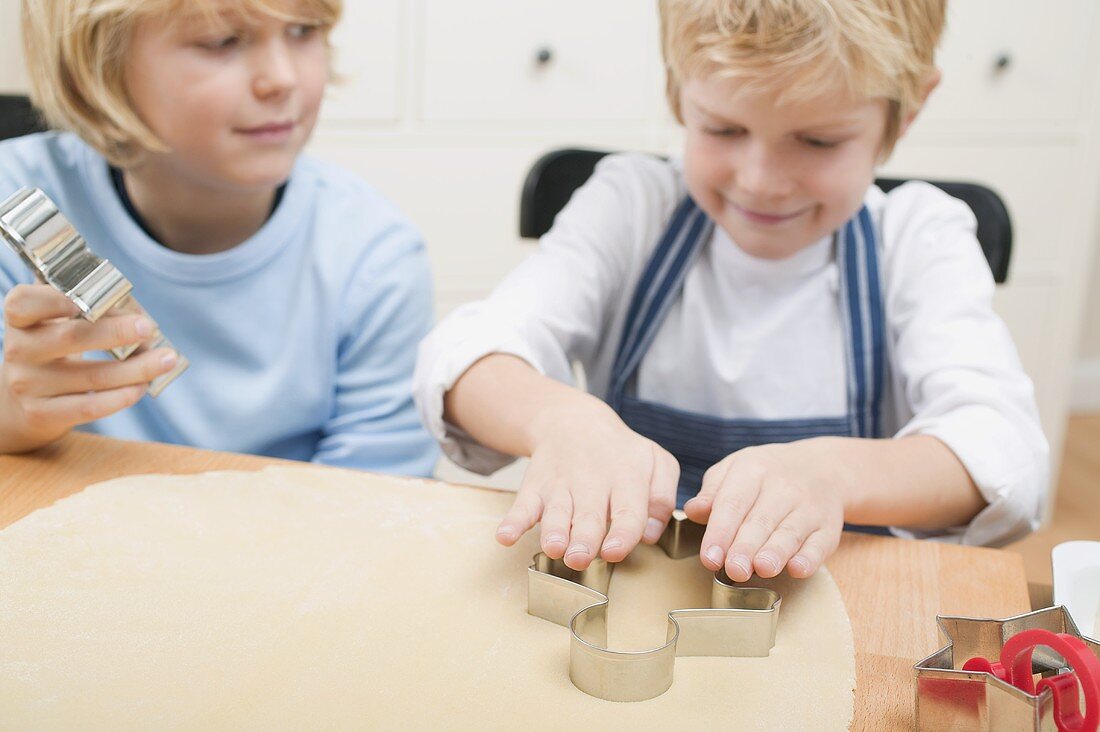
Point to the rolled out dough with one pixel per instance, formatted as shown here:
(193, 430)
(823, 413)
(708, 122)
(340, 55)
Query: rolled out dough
(298, 598)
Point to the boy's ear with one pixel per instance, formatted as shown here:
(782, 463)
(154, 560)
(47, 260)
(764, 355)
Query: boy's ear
(930, 84)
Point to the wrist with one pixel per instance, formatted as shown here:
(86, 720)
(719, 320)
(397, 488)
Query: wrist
(12, 439)
(568, 411)
(833, 467)
(14, 435)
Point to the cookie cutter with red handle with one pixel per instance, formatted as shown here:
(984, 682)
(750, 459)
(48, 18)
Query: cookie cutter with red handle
(1015, 667)
(958, 688)
(740, 622)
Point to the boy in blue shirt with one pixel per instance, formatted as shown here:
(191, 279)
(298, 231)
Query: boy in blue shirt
(297, 292)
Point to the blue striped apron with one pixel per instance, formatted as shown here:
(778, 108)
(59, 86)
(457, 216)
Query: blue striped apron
(698, 441)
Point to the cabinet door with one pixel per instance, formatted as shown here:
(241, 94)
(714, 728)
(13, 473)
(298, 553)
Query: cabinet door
(13, 78)
(540, 60)
(368, 47)
(1015, 65)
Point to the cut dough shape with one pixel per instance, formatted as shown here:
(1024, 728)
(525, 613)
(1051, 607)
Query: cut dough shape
(296, 598)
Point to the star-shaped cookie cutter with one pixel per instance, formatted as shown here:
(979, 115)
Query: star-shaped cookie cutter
(948, 697)
(740, 622)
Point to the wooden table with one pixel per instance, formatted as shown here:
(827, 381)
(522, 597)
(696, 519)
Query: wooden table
(893, 589)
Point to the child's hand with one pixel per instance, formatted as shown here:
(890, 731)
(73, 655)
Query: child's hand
(764, 511)
(588, 466)
(46, 388)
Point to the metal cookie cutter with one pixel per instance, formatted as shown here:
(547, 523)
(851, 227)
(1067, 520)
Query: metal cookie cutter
(959, 689)
(58, 255)
(740, 622)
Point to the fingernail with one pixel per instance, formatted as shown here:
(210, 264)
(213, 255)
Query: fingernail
(800, 565)
(143, 327)
(554, 540)
(168, 360)
(506, 532)
(743, 565)
(612, 544)
(576, 549)
(653, 529)
(768, 560)
(715, 555)
(693, 499)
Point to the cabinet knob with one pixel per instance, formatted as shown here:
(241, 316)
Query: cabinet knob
(1002, 61)
(544, 56)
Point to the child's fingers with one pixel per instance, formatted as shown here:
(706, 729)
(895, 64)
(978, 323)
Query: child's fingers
(28, 305)
(628, 521)
(78, 377)
(588, 528)
(53, 341)
(817, 547)
(698, 508)
(766, 515)
(784, 542)
(64, 412)
(726, 515)
(662, 494)
(521, 517)
(556, 517)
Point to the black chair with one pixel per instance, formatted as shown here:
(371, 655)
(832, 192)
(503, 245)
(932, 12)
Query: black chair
(557, 174)
(18, 117)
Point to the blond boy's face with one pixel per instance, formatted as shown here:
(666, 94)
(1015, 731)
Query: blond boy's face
(234, 99)
(778, 178)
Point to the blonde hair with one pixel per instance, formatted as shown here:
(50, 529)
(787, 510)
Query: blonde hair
(76, 53)
(879, 48)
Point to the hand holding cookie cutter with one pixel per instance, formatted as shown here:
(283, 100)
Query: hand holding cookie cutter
(740, 622)
(58, 255)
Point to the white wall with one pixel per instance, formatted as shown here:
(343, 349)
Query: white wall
(1086, 374)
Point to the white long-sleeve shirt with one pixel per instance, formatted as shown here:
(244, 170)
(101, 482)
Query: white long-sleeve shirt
(757, 338)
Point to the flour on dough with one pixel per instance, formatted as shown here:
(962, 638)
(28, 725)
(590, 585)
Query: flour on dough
(314, 598)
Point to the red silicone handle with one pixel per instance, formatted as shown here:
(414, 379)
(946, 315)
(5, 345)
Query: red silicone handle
(1015, 668)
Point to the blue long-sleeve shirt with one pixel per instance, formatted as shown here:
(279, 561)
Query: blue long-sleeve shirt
(302, 339)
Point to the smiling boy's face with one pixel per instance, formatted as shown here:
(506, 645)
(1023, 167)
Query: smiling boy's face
(234, 98)
(778, 177)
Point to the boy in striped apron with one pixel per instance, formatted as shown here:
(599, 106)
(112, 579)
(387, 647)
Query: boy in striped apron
(768, 340)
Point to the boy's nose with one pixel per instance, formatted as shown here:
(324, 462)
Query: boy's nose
(275, 72)
(762, 173)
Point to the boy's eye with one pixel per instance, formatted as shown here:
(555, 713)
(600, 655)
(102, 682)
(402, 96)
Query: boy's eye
(819, 143)
(222, 43)
(302, 30)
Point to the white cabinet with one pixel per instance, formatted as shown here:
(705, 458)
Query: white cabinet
(1016, 65)
(13, 78)
(539, 60)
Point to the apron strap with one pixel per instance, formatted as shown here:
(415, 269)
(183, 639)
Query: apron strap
(657, 290)
(861, 300)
